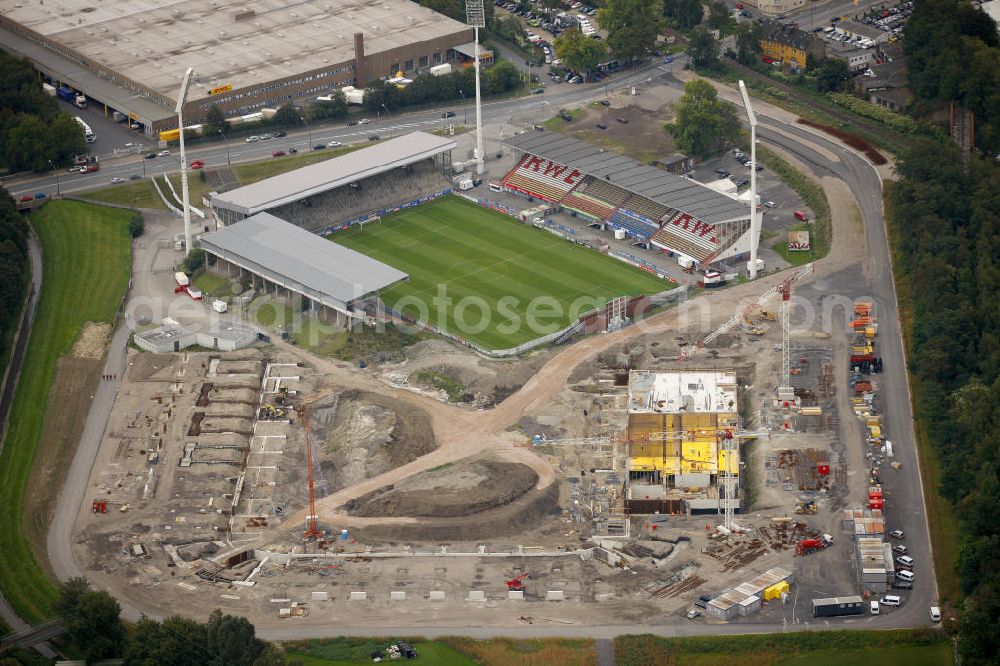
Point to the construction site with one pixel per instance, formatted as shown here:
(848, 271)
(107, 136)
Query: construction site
(664, 477)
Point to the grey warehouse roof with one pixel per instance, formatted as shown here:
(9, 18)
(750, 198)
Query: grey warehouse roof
(301, 261)
(333, 173)
(655, 184)
(227, 42)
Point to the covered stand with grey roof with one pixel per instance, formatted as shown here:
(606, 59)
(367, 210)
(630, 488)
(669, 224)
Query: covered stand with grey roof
(654, 184)
(293, 259)
(328, 175)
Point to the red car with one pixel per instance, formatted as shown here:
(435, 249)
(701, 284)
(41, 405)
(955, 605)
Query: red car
(197, 164)
(278, 153)
(90, 168)
(739, 5)
(26, 198)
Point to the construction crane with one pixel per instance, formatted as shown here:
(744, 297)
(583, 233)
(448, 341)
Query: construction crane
(785, 391)
(728, 436)
(746, 313)
(312, 529)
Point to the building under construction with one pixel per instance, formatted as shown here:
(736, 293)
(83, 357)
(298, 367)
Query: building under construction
(682, 437)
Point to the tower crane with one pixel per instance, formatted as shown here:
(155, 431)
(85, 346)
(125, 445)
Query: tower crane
(746, 312)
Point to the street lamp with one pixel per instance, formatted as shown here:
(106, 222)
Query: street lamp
(185, 193)
(475, 17)
(755, 217)
(56, 171)
(465, 109)
(223, 135)
(308, 131)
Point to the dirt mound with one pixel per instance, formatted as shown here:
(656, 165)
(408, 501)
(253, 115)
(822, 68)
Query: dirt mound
(144, 366)
(460, 489)
(534, 512)
(92, 341)
(365, 434)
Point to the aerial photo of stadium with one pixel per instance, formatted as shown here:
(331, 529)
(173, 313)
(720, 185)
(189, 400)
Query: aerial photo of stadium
(500, 275)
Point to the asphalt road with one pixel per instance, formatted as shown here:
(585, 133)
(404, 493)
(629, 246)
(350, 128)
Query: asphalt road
(871, 276)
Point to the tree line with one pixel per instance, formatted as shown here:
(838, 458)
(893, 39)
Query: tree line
(14, 271)
(946, 233)
(33, 131)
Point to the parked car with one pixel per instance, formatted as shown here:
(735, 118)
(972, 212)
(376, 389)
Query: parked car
(769, 204)
(601, 126)
(265, 137)
(278, 153)
(319, 146)
(693, 613)
(623, 121)
(605, 102)
(278, 135)
(742, 182)
(334, 144)
(892, 600)
(149, 156)
(352, 123)
(896, 534)
(26, 198)
(364, 121)
(902, 585)
(90, 168)
(373, 137)
(873, 604)
(253, 139)
(116, 180)
(448, 114)
(537, 91)
(292, 151)
(935, 614)
(901, 549)
(905, 561)
(163, 153)
(565, 115)
(135, 176)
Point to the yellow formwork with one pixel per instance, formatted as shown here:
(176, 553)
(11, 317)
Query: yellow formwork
(776, 590)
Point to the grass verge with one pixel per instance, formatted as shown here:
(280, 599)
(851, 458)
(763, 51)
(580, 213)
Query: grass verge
(921, 646)
(142, 194)
(343, 651)
(528, 652)
(813, 196)
(941, 517)
(483, 276)
(86, 254)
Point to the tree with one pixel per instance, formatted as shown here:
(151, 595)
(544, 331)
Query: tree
(704, 122)
(702, 48)
(747, 42)
(335, 108)
(287, 116)
(92, 620)
(136, 225)
(718, 16)
(632, 26)
(579, 53)
(683, 14)
(380, 95)
(215, 121)
(831, 74)
(194, 261)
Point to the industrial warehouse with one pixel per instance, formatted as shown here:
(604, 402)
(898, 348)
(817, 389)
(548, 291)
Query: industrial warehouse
(132, 57)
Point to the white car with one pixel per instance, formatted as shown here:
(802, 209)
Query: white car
(163, 153)
(364, 121)
(116, 180)
(253, 139)
(769, 204)
(334, 144)
(265, 137)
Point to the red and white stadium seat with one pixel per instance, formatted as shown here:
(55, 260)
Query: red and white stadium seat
(542, 179)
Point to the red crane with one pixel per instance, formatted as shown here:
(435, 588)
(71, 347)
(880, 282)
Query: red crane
(311, 528)
(516, 584)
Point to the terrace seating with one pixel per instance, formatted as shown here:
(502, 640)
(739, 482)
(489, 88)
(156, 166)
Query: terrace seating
(584, 203)
(612, 195)
(694, 238)
(542, 179)
(635, 227)
(645, 207)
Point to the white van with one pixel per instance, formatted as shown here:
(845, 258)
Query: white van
(874, 607)
(905, 575)
(892, 600)
(935, 614)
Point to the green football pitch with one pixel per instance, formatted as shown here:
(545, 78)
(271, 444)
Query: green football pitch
(487, 278)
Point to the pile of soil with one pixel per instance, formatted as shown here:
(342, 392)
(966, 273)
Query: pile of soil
(461, 489)
(364, 434)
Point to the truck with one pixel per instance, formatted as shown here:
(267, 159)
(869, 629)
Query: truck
(888, 449)
(441, 70)
(465, 184)
(182, 279)
(65, 93)
(49, 89)
(838, 606)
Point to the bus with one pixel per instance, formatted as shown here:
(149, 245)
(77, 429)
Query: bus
(88, 134)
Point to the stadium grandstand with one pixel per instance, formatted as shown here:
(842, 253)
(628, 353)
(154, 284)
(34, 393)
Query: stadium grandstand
(130, 56)
(670, 212)
(323, 194)
(284, 259)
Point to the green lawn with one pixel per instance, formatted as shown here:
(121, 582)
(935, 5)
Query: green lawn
(507, 282)
(349, 651)
(87, 266)
(141, 194)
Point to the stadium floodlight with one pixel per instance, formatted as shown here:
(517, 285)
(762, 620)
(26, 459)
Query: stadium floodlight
(185, 195)
(755, 217)
(475, 17)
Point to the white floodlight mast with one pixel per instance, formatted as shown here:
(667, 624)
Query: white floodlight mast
(185, 197)
(475, 16)
(755, 217)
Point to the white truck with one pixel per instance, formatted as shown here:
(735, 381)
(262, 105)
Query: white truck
(181, 279)
(888, 449)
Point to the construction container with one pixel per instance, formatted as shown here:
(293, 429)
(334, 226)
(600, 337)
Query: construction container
(775, 591)
(876, 503)
(875, 492)
(823, 468)
(749, 606)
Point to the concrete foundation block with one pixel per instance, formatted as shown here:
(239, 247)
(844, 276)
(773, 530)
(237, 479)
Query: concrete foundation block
(515, 595)
(477, 595)
(320, 596)
(397, 595)
(437, 595)
(359, 596)
(555, 595)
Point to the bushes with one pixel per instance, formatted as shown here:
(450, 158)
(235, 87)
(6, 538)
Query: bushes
(137, 224)
(896, 121)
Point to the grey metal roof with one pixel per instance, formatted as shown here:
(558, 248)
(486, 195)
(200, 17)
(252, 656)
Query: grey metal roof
(302, 258)
(655, 184)
(330, 174)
